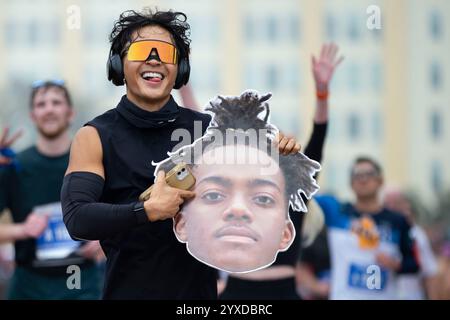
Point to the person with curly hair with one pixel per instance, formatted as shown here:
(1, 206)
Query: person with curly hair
(111, 165)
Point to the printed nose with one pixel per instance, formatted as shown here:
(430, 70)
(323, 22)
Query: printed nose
(238, 210)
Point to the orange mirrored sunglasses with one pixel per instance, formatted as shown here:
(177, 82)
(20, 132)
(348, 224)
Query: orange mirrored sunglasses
(140, 51)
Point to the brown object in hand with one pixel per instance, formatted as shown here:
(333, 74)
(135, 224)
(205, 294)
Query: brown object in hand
(179, 177)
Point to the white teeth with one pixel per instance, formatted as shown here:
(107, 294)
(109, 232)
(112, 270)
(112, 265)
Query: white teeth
(149, 75)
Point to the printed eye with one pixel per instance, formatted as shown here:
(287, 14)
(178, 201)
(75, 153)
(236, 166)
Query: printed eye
(213, 196)
(264, 200)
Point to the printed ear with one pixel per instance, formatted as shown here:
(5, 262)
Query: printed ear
(287, 236)
(179, 227)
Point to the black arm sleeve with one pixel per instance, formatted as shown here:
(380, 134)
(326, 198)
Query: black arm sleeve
(86, 218)
(315, 144)
(407, 249)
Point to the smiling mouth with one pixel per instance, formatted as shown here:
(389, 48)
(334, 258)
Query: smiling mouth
(50, 120)
(152, 76)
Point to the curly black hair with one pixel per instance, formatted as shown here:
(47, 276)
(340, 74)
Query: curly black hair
(131, 21)
(240, 114)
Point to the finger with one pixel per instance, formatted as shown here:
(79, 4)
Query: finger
(282, 145)
(297, 148)
(333, 52)
(322, 51)
(290, 146)
(3, 137)
(277, 139)
(161, 178)
(186, 194)
(279, 136)
(328, 51)
(11, 140)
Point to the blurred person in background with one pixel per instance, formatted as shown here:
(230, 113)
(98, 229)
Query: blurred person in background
(30, 184)
(443, 276)
(111, 165)
(369, 244)
(314, 268)
(421, 285)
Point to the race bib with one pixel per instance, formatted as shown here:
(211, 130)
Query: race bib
(55, 242)
(365, 277)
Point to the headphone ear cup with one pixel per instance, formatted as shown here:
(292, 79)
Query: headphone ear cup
(184, 70)
(115, 70)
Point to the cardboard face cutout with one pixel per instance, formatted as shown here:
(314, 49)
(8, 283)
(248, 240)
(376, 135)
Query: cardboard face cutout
(239, 219)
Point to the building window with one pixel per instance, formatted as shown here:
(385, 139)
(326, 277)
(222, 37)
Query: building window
(377, 127)
(436, 177)
(435, 25)
(251, 76)
(330, 26)
(214, 31)
(54, 32)
(377, 34)
(11, 32)
(294, 28)
(353, 127)
(295, 125)
(335, 127)
(272, 77)
(354, 79)
(436, 125)
(332, 176)
(293, 77)
(96, 32)
(435, 76)
(249, 29)
(214, 79)
(205, 79)
(210, 35)
(353, 28)
(33, 33)
(376, 77)
(272, 28)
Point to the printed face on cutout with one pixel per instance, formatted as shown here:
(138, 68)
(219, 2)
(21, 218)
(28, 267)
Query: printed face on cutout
(238, 220)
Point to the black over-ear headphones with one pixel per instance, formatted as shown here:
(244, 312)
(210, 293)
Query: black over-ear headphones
(116, 75)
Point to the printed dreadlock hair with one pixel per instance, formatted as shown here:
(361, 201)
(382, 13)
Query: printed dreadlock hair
(241, 112)
(240, 115)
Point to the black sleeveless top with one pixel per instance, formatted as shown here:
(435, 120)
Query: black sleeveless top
(147, 262)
